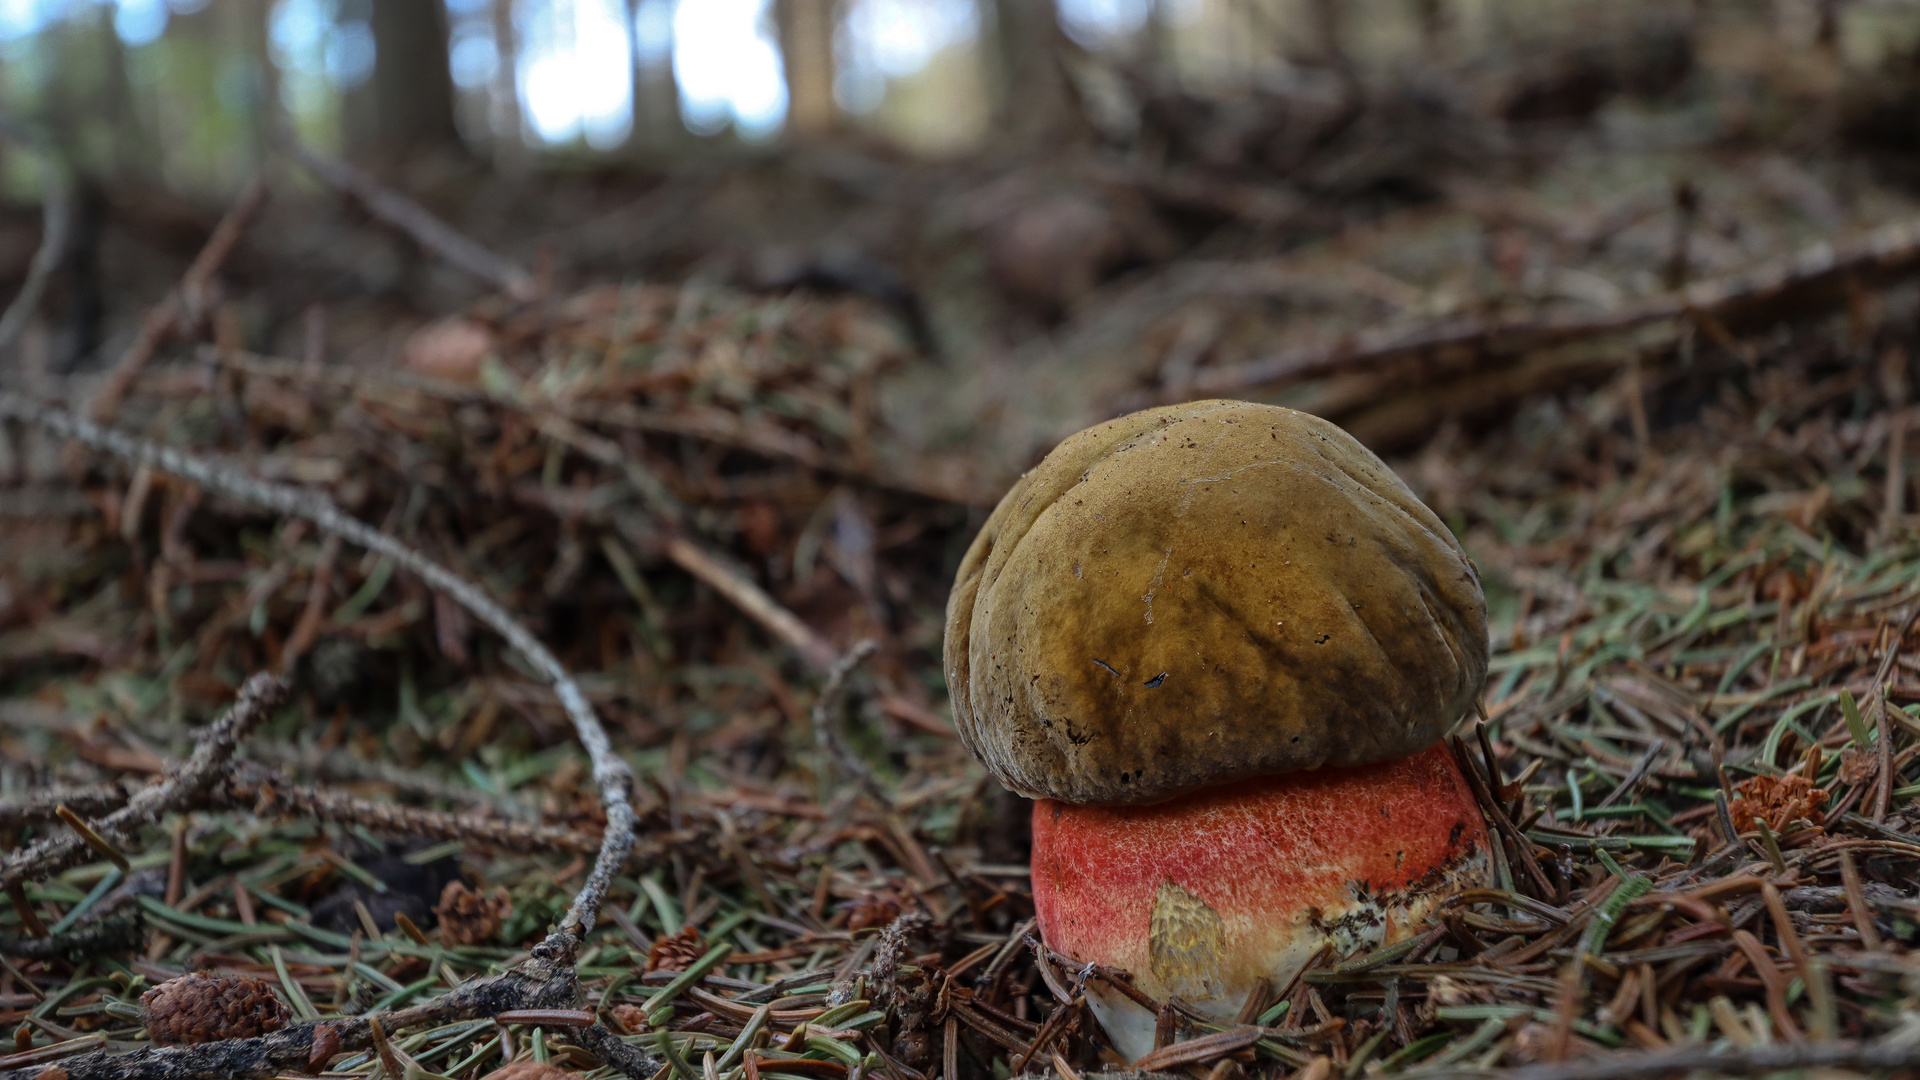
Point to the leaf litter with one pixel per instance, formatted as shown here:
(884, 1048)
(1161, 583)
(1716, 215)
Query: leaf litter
(1696, 750)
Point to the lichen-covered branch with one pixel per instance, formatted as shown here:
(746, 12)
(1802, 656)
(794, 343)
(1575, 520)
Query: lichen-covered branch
(611, 775)
(261, 695)
(86, 801)
(545, 982)
(259, 790)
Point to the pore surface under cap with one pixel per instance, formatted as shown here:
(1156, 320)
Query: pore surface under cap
(1205, 592)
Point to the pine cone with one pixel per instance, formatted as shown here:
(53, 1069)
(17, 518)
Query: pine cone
(1777, 800)
(1857, 768)
(875, 907)
(676, 953)
(631, 1019)
(210, 1005)
(470, 917)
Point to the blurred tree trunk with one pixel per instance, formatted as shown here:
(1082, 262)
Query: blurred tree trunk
(411, 92)
(131, 146)
(87, 100)
(1034, 99)
(252, 19)
(509, 140)
(88, 110)
(1330, 28)
(806, 50)
(656, 96)
(1162, 57)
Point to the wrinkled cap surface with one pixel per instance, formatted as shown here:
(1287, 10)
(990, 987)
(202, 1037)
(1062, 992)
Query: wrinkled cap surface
(1202, 593)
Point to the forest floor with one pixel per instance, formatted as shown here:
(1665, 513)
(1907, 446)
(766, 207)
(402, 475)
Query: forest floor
(1670, 422)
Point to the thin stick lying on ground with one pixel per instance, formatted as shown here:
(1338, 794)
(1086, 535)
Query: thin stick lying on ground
(545, 982)
(261, 695)
(86, 801)
(689, 555)
(338, 765)
(414, 220)
(194, 284)
(610, 773)
(1885, 252)
(265, 791)
(244, 785)
(753, 600)
(183, 306)
(1627, 1065)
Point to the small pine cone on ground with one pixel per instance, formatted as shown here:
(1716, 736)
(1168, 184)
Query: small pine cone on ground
(676, 953)
(875, 907)
(207, 1006)
(1777, 800)
(1857, 767)
(470, 917)
(631, 1018)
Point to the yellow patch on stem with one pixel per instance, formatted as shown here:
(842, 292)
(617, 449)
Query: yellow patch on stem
(1186, 941)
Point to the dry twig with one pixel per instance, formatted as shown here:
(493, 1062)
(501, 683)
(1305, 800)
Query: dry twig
(754, 601)
(693, 557)
(611, 775)
(414, 220)
(261, 694)
(34, 809)
(1889, 251)
(258, 790)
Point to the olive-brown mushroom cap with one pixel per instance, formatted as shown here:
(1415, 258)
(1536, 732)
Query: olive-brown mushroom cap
(1206, 592)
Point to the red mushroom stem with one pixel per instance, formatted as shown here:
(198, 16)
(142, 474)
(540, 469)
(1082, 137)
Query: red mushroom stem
(1203, 895)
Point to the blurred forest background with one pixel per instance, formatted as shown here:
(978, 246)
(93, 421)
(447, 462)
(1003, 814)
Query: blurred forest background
(1080, 198)
(1044, 191)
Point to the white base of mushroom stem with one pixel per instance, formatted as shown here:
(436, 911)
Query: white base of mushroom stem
(1130, 1027)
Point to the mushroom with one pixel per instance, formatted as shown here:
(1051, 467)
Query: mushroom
(1219, 644)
